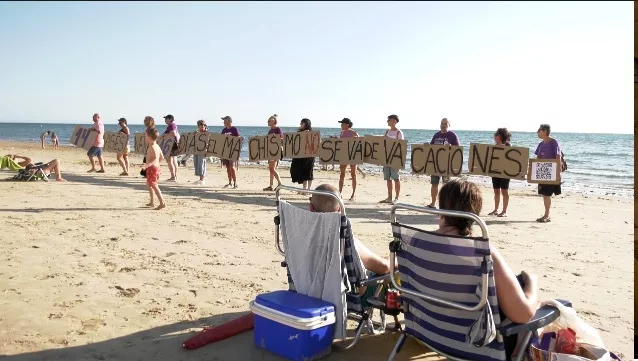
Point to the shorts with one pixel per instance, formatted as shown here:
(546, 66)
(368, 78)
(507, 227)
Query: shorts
(200, 165)
(435, 179)
(228, 163)
(94, 152)
(174, 151)
(390, 174)
(500, 183)
(549, 189)
(152, 175)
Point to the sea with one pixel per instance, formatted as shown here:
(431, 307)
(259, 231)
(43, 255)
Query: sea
(601, 164)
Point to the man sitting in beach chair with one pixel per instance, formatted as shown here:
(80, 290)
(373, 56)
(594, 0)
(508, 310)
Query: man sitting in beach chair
(460, 297)
(30, 171)
(323, 260)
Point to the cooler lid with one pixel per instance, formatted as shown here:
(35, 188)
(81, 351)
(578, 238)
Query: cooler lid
(295, 304)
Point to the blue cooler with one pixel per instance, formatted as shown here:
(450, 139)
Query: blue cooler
(293, 326)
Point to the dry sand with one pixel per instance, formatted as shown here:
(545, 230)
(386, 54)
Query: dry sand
(88, 273)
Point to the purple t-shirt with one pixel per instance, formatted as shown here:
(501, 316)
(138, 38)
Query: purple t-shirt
(276, 131)
(231, 131)
(549, 150)
(448, 138)
(172, 127)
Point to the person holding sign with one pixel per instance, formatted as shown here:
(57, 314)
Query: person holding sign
(548, 148)
(122, 158)
(149, 123)
(98, 144)
(302, 169)
(272, 164)
(347, 132)
(171, 160)
(152, 167)
(200, 160)
(443, 137)
(501, 185)
(229, 164)
(391, 174)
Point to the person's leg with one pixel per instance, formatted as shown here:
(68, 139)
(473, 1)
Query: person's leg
(169, 162)
(233, 175)
(229, 167)
(547, 202)
(397, 188)
(371, 261)
(506, 200)
(353, 174)
(497, 201)
(53, 167)
(126, 162)
(100, 159)
(342, 176)
(388, 181)
(203, 165)
(434, 189)
(271, 172)
(150, 193)
(363, 174)
(120, 159)
(175, 166)
(158, 194)
(389, 185)
(42, 140)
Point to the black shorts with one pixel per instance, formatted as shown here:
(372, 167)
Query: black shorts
(549, 189)
(500, 183)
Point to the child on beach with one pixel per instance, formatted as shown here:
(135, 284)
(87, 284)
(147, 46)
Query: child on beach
(200, 160)
(501, 185)
(55, 140)
(122, 158)
(272, 164)
(43, 136)
(390, 174)
(152, 167)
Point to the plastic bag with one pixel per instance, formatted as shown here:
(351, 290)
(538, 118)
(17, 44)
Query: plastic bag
(569, 319)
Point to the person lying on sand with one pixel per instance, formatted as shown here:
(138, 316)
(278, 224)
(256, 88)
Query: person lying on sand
(22, 163)
(48, 168)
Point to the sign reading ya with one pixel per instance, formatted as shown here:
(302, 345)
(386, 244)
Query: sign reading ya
(115, 142)
(265, 147)
(341, 151)
(439, 160)
(301, 144)
(498, 161)
(385, 152)
(224, 146)
(83, 137)
(193, 143)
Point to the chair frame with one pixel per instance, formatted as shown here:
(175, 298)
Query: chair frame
(544, 315)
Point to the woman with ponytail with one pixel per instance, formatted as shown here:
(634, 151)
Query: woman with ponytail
(272, 164)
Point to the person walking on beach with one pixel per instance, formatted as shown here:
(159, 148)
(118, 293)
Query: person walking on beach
(122, 158)
(55, 141)
(230, 165)
(98, 144)
(391, 174)
(548, 148)
(272, 164)
(149, 123)
(171, 160)
(501, 185)
(302, 169)
(152, 167)
(347, 132)
(442, 137)
(44, 136)
(200, 160)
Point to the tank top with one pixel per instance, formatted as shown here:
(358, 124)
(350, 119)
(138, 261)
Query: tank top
(348, 134)
(394, 134)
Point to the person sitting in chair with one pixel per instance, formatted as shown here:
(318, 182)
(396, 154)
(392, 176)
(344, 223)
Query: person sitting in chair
(517, 295)
(48, 168)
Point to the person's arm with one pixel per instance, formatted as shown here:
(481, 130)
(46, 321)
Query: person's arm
(356, 135)
(433, 137)
(557, 150)
(456, 140)
(400, 135)
(517, 304)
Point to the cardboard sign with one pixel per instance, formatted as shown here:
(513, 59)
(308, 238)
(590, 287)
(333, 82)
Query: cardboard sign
(140, 146)
(341, 151)
(439, 160)
(166, 143)
(115, 142)
(265, 147)
(224, 146)
(498, 161)
(193, 143)
(301, 145)
(385, 152)
(83, 137)
(544, 171)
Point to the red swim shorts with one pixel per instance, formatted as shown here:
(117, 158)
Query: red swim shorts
(152, 175)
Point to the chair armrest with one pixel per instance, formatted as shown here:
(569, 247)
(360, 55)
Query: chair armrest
(377, 279)
(543, 317)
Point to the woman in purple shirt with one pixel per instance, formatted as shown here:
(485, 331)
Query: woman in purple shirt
(229, 164)
(272, 164)
(547, 149)
(501, 185)
(171, 159)
(445, 136)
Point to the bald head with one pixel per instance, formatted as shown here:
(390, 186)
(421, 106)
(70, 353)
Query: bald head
(325, 204)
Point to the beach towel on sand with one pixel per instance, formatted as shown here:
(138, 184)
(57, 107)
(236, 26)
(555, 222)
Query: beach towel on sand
(7, 162)
(312, 243)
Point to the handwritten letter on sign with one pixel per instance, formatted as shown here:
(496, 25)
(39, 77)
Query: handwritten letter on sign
(115, 142)
(439, 160)
(140, 144)
(265, 147)
(543, 171)
(83, 137)
(341, 151)
(498, 161)
(166, 143)
(385, 152)
(301, 145)
(193, 143)
(224, 146)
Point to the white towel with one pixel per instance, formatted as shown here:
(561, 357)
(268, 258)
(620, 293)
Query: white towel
(312, 243)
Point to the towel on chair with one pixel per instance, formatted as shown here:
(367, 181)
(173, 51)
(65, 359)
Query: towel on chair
(7, 162)
(313, 254)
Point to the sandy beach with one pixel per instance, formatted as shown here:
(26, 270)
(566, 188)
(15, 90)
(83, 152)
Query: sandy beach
(88, 273)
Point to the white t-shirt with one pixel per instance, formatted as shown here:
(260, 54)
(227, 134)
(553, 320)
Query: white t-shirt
(394, 134)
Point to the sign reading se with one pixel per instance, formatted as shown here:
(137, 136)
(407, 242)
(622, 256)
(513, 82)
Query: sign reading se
(341, 151)
(83, 137)
(266, 147)
(498, 161)
(438, 160)
(385, 152)
(115, 142)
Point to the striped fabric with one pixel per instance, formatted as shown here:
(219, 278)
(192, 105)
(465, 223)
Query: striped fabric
(448, 268)
(353, 270)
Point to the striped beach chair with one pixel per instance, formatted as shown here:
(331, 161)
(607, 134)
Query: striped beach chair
(448, 293)
(34, 172)
(361, 308)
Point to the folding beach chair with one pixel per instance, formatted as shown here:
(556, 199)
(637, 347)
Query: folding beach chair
(32, 173)
(448, 293)
(360, 308)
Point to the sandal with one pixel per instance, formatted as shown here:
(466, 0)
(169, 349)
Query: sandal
(431, 206)
(493, 213)
(502, 215)
(269, 188)
(544, 220)
(386, 201)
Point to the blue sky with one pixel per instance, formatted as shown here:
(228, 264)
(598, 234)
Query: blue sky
(482, 65)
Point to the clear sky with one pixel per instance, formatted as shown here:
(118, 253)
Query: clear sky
(482, 65)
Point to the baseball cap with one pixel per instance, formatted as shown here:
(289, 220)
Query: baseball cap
(346, 121)
(394, 116)
(169, 117)
(227, 118)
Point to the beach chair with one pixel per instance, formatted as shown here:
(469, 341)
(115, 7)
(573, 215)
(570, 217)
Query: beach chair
(448, 293)
(360, 308)
(32, 173)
